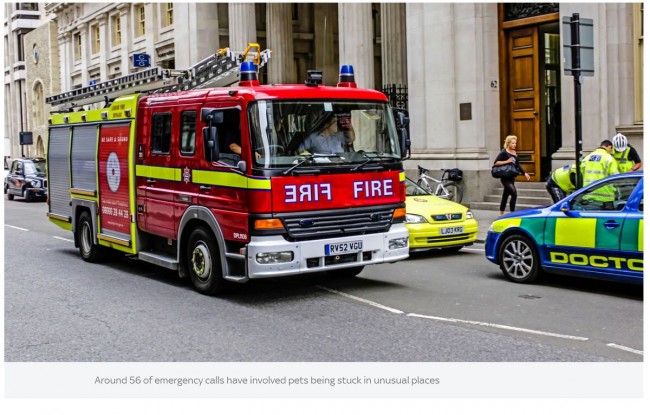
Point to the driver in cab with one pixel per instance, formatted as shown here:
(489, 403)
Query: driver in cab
(329, 140)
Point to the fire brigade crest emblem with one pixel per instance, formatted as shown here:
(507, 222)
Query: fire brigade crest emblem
(187, 175)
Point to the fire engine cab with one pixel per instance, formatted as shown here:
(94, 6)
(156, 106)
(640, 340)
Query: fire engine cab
(207, 172)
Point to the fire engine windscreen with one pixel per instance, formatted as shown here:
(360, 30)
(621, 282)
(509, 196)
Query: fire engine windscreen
(284, 133)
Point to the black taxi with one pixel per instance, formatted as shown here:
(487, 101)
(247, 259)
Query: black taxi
(27, 178)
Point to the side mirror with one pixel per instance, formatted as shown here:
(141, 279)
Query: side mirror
(210, 144)
(401, 117)
(211, 116)
(405, 143)
(565, 207)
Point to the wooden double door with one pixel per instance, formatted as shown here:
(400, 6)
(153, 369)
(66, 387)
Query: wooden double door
(524, 89)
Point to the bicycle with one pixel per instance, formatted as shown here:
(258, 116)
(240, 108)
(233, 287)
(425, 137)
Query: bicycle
(448, 187)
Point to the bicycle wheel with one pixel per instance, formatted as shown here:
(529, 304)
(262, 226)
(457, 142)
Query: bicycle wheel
(455, 192)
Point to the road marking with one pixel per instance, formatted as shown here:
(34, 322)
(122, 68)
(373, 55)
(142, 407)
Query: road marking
(372, 303)
(500, 326)
(452, 320)
(627, 349)
(16, 227)
(63, 239)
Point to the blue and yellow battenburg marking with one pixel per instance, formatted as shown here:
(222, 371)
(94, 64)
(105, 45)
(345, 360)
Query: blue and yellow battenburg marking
(597, 261)
(570, 239)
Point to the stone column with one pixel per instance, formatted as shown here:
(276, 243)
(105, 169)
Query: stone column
(67, 62)
(355, 41)
(104, 45)
(85, 49)
(442, 76)
(126, 44)
(325, 47)
(196, 32)
(393, 43)
(279, 36)
(151, 11)
(241, 25)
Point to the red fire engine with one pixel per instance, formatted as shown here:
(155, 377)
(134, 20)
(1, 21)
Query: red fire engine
(230, 183)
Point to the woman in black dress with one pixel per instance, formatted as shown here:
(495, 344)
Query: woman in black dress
(505, 156)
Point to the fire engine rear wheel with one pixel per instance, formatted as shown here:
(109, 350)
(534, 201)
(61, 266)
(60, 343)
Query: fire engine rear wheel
(204, 263)
(90, 252)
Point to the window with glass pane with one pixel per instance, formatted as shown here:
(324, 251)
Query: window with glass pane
(283, 132)
(95, 39)
(161, 133)
(610, 195)
(117, 30)
(169, 14)
(188, 132)
(140, 20)
(77, 46)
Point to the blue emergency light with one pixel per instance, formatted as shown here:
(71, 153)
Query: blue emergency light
(248, 72)
(346, 76)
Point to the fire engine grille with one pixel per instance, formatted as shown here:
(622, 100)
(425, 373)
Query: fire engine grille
(340, 224)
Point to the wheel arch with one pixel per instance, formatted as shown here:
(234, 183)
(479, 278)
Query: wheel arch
(80, 206)
(512, 231)
(193, 218)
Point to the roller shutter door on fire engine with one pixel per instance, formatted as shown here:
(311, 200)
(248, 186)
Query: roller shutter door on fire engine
(59, 171)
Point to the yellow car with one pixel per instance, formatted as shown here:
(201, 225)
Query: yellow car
(437, 223)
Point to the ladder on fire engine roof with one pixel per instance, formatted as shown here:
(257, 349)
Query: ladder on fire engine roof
(218, 70)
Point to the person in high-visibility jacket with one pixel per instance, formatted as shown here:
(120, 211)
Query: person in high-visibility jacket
(599, 164)
(561, 182)
(627, 157)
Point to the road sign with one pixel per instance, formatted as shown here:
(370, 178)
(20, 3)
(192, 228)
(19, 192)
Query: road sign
(141, 60)
(580, 42)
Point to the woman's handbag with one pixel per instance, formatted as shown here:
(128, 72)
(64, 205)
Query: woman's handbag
(506, 171)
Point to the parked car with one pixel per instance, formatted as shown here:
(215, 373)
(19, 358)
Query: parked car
(27, 178)
(596, 232)
(437, 223)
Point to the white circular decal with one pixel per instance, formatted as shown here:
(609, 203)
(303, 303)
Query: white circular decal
(113, 171)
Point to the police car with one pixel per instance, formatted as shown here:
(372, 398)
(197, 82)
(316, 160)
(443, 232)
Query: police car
(596, 232)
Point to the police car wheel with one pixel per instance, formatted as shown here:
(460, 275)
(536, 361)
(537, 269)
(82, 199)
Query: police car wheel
(519, 259)
(203, 263)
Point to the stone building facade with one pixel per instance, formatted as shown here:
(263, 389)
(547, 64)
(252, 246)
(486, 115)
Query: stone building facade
(19, 20)
(475, 71)
(42, 74)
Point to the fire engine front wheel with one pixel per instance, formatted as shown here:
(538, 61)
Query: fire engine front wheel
(203, 263)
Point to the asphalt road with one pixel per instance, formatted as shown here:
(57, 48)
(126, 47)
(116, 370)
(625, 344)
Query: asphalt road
(433, 307)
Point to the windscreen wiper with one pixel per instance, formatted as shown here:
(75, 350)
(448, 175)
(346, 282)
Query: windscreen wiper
(308, 157)
(370, 158)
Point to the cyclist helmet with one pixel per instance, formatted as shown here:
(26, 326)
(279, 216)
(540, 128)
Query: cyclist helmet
(620, 142)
